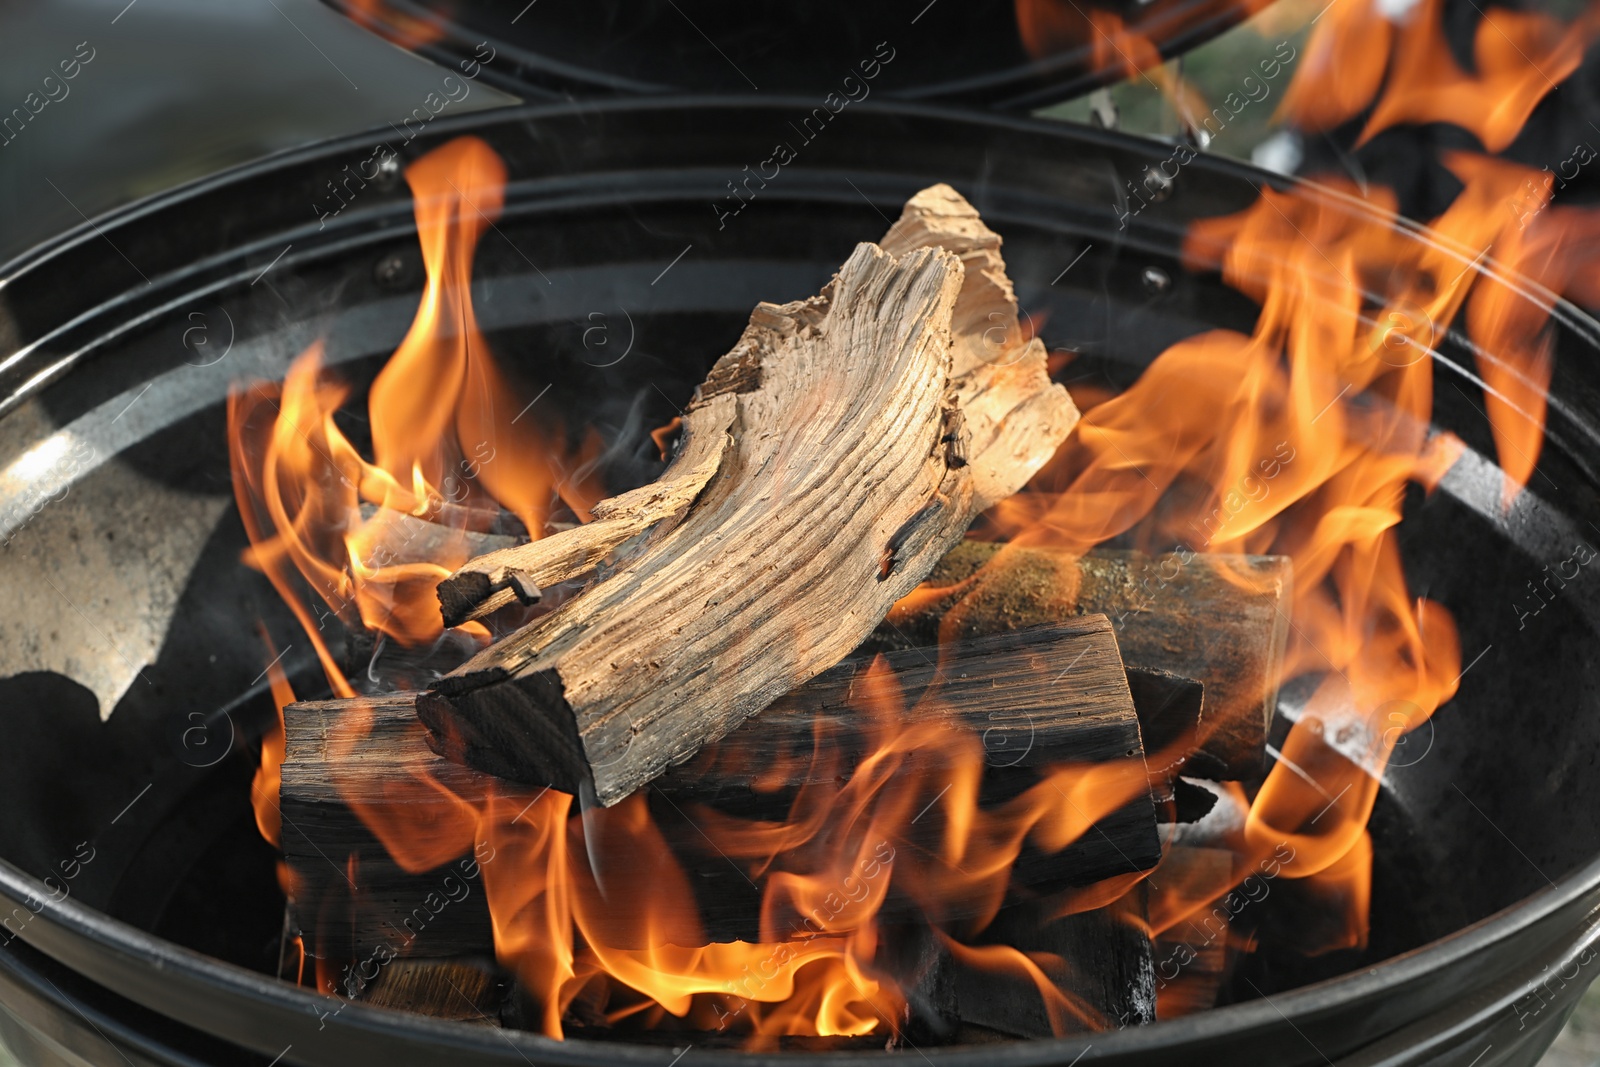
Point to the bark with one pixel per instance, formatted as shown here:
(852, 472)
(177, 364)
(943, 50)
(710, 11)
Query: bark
(1221, 620)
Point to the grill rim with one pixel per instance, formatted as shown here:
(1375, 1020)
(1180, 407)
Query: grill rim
(1038, 82)
(79, 937)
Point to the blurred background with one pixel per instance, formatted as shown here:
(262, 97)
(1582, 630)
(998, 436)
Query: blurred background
(172, 90)
(177, 89)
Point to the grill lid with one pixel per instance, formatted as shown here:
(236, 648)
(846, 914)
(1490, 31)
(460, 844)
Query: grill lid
(997, 53)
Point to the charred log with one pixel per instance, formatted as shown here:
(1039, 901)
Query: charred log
(1031, 699)
(1193, 952)
(1099, 962)
(1221, 620)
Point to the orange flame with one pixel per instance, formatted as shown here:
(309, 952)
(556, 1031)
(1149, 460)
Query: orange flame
(441, 387)
(1341, 67)
(443, 443)
(1518, 58)
(1047, 27)
(404, 29)
(1300, 438)
(264, 786)
(634, 948)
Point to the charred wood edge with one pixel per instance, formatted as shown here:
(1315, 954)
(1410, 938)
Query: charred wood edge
(1044, 718)
(847, 467)
(1170, 711)
(1102, 958)
(1184, 615)
(1191, 802)
(1170, 708)
(1223, 820)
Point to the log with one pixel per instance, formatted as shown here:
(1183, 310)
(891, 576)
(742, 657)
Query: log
(1221, 620)
(1197, 983)
(1100, 963)
(1035, 697)
(855, 437)
(1009, 690)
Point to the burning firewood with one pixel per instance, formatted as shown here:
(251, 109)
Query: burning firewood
(829, 461)
(1099, 963)
(407, 538)
(1221, 620)
(1168, 705)
(493, 580)
(1035, 698)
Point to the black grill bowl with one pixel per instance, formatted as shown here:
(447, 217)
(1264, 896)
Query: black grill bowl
(126, 591)
(969, 53)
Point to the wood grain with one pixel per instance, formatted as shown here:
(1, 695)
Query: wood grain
(1219, 619)
(489, 582)
(863, 444)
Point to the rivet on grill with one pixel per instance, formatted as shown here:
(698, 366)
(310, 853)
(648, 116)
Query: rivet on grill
(388, 172)
(1157, 185)
(1155, 281)
(392, 271)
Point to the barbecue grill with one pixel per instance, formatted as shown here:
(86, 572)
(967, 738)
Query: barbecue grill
(161, 947)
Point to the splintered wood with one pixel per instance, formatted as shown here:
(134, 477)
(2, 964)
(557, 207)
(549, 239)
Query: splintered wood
(829, 461)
